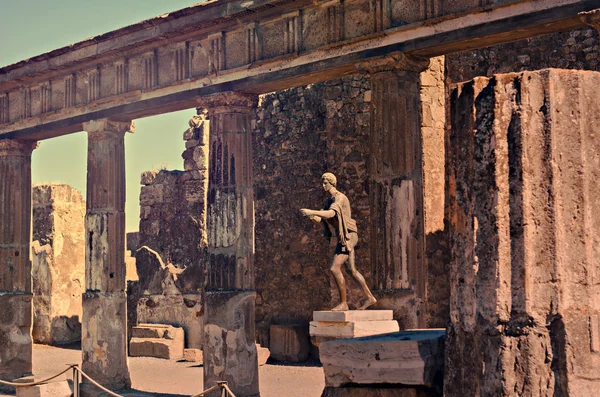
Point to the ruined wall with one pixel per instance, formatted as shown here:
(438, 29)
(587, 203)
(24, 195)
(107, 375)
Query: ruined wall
(576, 49)
(58, 263)
(523, 156)
(302, 133)
(173, 230)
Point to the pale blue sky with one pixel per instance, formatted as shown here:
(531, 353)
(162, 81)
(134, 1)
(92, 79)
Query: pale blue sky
(32, 27)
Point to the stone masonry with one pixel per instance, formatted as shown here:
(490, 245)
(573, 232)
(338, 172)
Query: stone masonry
(58, 263)
(523, 157)
(173, 233)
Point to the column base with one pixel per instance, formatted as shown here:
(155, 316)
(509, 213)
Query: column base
(104, 339)
(229, 348)
(16, 354)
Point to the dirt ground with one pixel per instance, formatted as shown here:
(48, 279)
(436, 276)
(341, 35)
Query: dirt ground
(155, 375)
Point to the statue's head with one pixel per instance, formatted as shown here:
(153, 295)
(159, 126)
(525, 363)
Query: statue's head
(329, 180)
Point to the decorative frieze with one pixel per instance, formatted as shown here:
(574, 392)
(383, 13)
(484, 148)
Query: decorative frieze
(335, 21)
(182, 61)
(93, 91)
(253, 43)
(46, 97)
(70, 91)
(26, 95)
(122, 76)
(216, 55)
(4, 108)
(382, 15)
(293, 32)
(150, 70)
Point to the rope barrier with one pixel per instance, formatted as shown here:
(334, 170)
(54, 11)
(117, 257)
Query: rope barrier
(76, 370)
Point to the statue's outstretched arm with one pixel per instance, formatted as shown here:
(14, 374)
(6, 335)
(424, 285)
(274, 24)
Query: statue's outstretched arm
(325, 214)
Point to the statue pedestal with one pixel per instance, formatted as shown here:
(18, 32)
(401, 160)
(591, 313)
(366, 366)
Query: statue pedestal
(329, 325)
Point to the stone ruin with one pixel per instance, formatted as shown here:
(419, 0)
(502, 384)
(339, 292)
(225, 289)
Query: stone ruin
(484, 211)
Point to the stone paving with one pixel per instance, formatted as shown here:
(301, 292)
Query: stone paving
(156, 375)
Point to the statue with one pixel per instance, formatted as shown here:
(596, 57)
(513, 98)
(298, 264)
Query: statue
(337, 219)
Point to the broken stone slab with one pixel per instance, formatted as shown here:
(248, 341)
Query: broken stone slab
(263, 354)
(289, 343)
(157, 340)
(409, 358)
(60, 388)
(193, 355)
(156, 331)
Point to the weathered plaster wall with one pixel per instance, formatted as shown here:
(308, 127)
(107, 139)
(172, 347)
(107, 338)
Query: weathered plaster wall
(58, 263)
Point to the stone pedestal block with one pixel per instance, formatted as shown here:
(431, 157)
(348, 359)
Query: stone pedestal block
(53, 389)
(330, 325)
(15, 337)
(104, 340)
(229, 347)
(289, 343)
(409, 358)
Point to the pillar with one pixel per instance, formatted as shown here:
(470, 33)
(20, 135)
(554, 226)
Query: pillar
(229, 344)
(15, 260)
(396, 173)
(104, 325)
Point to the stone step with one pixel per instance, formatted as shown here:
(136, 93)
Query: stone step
(411, 358)
(160, 331)
(171, 349)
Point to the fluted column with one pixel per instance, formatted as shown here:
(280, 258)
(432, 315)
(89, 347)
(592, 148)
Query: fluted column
(396, 172)
(104, 325)
(15, 260)
(229, 345)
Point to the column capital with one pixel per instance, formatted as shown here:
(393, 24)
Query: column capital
(228, 101)
(17, 147)
(591, 18)
(102, 129)
(393, 61)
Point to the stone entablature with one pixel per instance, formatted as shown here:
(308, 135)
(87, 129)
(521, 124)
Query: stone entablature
(168, 62)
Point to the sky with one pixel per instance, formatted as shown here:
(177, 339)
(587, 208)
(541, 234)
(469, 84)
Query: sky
(32, 27)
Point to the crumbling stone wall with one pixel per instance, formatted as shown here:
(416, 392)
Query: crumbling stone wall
(173, 234)
(523, 155)
(58, 263)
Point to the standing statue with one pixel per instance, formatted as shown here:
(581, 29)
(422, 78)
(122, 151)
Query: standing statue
(337, 219)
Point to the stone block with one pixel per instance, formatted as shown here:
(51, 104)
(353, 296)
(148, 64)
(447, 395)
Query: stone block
(379, 392)
(193, 355)
(229, 346)
(147, 177)
(53, 389)
(170, 349)
(16, 353)
(410, 358)
(289, 343)
(263, 354)
(352, 329)
(353, 315)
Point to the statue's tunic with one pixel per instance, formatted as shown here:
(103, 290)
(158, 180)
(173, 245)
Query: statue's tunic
(342, 224)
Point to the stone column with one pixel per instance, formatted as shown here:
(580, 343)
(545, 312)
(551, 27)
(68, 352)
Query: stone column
(104, 325)
(396, 172)
(15, 260)
(229, 344)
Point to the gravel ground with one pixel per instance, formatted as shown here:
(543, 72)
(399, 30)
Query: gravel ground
(155, 375)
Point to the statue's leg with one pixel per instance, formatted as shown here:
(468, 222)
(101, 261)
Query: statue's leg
(336, 269)
(360, 280)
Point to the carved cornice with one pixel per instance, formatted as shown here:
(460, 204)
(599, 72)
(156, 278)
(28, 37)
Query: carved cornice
(591, 18)
(17, 147)
(229, 102)
(99, 130)
(393, 61)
